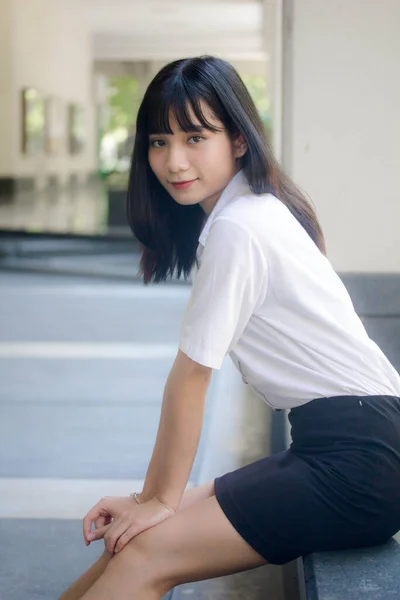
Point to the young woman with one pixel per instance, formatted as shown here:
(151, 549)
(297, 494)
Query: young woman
(207, 195)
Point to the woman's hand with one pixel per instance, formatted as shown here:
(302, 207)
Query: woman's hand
(129, 519)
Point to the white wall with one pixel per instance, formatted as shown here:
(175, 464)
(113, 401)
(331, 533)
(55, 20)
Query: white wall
(5, 88)
(342, 83)
(273, 42)
(47, 48)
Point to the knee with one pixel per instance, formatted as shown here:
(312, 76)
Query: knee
(141, 557)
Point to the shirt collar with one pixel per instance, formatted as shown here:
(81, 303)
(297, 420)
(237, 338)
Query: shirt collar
(238, 186)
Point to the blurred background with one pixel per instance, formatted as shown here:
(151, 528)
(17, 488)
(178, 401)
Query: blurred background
(324, 77)
(74, 74)
(85, 349)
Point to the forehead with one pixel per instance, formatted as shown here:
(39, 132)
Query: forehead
(183, 116)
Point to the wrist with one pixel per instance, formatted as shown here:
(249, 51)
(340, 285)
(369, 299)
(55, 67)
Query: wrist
(172, 510)
(168, 503)
(143, 497)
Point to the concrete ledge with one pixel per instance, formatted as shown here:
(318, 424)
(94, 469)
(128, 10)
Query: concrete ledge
(362, 574)
(374, 294)
(18, 244)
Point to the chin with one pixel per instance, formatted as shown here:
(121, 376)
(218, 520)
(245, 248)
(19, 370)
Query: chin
(186, 202)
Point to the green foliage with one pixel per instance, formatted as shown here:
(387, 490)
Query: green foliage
(257, 86)
(124, 101)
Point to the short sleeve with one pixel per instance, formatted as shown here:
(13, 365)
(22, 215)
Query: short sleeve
(229, 284)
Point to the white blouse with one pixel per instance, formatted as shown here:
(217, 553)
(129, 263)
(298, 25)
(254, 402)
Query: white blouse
(267, 296)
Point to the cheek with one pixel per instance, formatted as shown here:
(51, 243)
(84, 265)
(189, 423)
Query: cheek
(222, 148)
(207, 155)
(219, 157)
(155, 162)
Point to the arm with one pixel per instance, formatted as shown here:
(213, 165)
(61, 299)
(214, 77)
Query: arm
(178, 432)
(231, 282)
(228, 286)
(169, 469)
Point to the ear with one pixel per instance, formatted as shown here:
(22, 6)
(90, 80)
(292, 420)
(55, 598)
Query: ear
(240, 146)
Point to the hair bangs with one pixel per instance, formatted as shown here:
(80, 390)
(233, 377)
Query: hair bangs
(182, 102)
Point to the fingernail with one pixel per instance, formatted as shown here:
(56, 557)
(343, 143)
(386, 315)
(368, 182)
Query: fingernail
(90, 537)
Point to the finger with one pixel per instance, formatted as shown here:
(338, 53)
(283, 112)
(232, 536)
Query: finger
(100, 522)
(125, 538)
(97, 534)
(93, 514)
(114, 533)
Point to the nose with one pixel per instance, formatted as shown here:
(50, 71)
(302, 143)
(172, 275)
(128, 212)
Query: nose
(177, 159)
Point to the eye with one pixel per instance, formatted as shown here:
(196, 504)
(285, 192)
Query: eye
(154, 143)
(196, 138)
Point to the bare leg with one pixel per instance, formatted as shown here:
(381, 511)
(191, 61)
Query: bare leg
(85, 581)
(197, 543)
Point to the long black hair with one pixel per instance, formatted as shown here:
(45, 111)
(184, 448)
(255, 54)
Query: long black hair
(167, 231)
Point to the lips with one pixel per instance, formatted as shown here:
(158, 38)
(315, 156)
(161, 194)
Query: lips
(182, 185)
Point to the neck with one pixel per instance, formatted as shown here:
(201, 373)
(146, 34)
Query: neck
(209, 203)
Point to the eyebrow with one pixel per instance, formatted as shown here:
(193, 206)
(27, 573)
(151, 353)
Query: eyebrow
(193, 129)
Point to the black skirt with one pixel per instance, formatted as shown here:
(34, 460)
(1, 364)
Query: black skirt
(337, 487)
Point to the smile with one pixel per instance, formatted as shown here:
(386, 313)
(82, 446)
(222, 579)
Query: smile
(182, 185)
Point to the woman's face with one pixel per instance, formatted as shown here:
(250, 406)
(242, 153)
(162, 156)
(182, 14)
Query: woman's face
(204, 161)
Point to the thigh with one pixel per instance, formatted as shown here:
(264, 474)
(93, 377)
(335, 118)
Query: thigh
(195, 494)
(197, 543)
